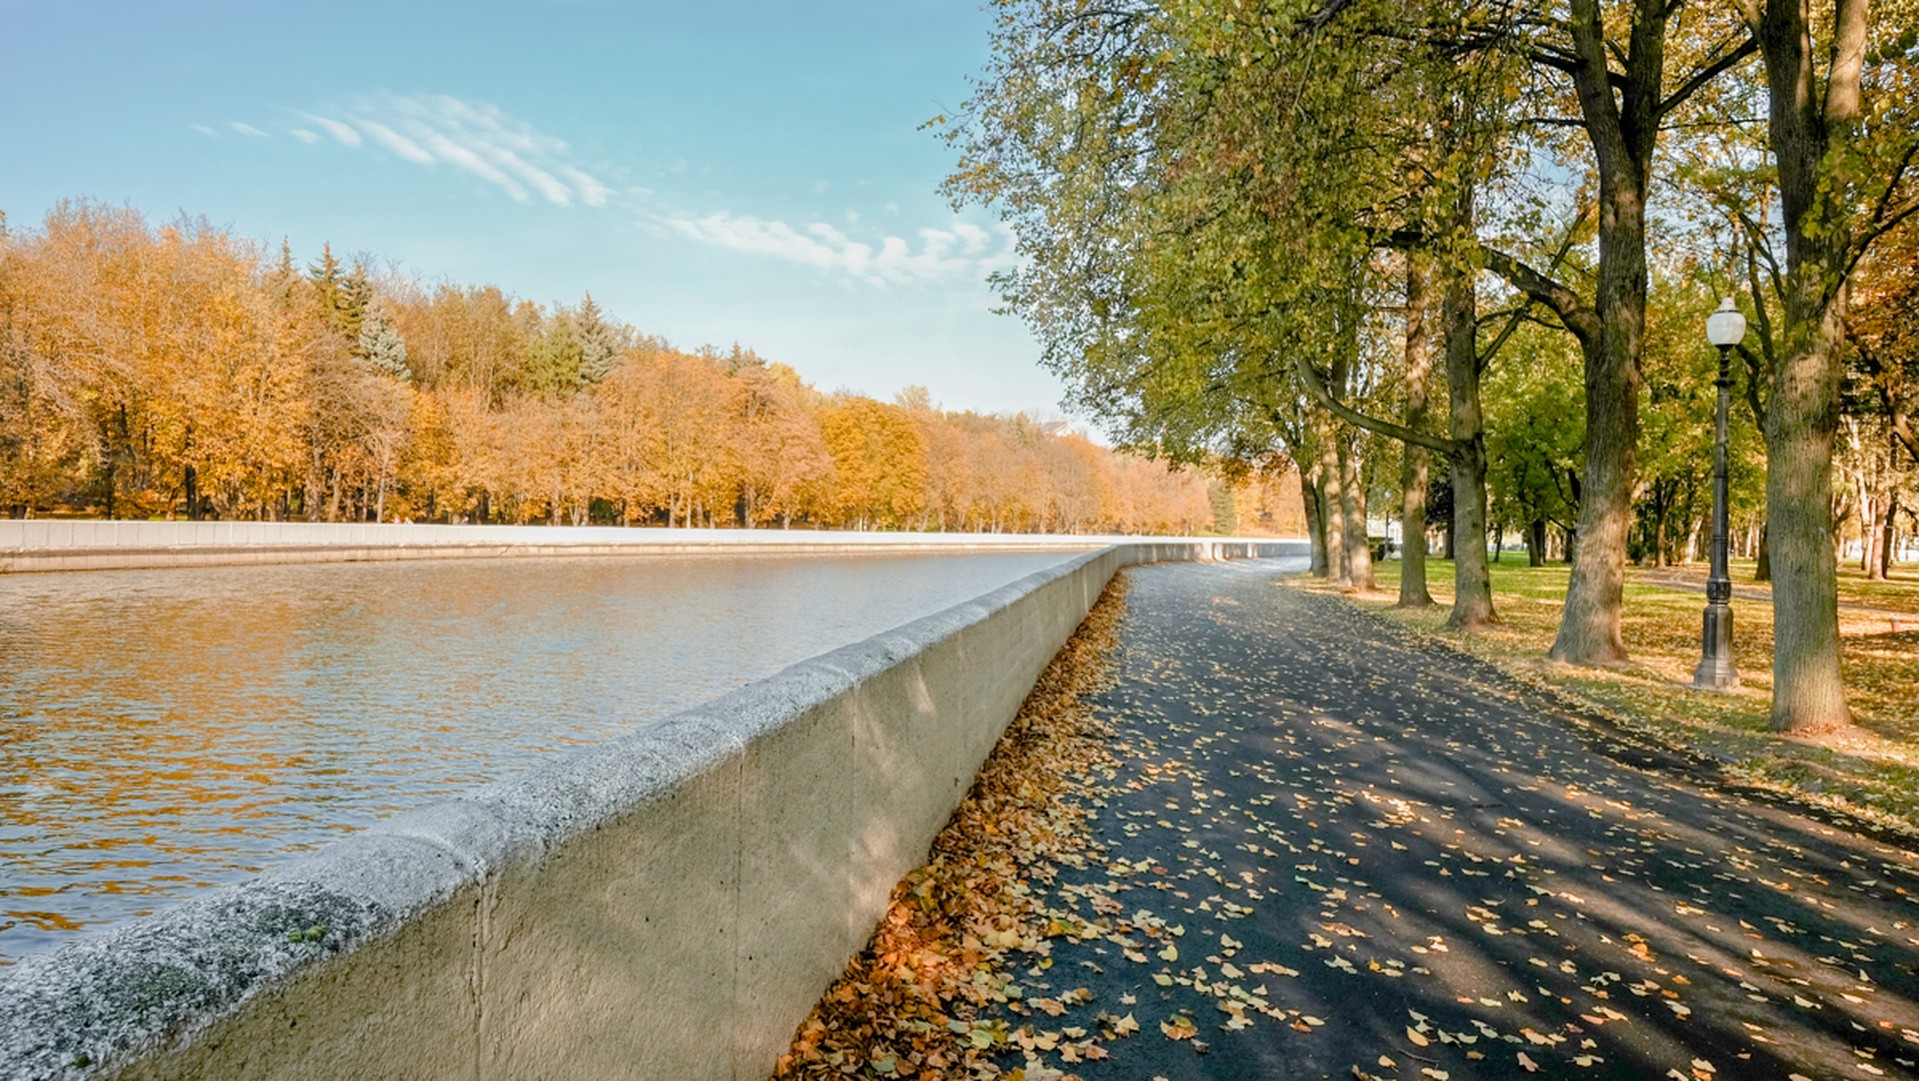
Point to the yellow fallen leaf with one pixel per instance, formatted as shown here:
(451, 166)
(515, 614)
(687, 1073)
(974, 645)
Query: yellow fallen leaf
(1416, 1036)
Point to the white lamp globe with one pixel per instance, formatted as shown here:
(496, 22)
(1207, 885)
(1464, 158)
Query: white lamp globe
(1725, 326)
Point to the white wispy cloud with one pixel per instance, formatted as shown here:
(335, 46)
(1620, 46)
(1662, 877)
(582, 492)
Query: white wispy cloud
(962, 250)
(247, 130)
(399, 144)
(473, 137)
(342, 133)
(305, 136)
(206, 131)
(592, 192)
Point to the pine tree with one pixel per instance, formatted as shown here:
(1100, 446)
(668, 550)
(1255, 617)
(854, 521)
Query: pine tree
(325, 276)
(350, 303)
(383, 347)
(344, 295)
(600, 342)
(553, 363)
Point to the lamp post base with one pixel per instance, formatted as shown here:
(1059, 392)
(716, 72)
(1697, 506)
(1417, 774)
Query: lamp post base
(1715, 671)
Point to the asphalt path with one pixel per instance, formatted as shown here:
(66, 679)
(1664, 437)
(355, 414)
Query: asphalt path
(1332, 849)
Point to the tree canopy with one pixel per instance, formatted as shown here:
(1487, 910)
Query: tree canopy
(1235, 214)
(181, 371)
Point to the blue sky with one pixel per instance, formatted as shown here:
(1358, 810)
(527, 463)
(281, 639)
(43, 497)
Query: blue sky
(712, 172)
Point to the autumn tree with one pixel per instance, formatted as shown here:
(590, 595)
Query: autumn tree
(1198, 253)
(787, 468)
(1843, 130)
(180, 370)
(879, 463)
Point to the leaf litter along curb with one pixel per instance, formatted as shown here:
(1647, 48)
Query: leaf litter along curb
(957, 927)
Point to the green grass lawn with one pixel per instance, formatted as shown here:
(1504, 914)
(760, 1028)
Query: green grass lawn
(1874, 773)
(1898, 593)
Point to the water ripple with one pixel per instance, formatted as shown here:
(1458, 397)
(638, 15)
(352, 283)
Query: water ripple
(162, 732)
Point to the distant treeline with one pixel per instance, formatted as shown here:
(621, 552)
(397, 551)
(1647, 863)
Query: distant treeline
(181, 371)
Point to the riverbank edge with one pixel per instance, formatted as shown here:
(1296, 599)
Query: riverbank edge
(670, 903)
(44, 545)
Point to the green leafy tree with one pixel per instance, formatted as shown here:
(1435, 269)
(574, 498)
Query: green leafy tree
(383, 347)
(1843, 130)
(601, 340)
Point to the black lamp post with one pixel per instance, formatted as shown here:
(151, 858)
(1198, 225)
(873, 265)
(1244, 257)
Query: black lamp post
(1724, 328)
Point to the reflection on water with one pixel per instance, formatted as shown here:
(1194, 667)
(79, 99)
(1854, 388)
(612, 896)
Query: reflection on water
(165, 731)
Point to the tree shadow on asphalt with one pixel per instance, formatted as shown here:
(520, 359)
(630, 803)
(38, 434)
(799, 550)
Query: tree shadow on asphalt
(1367, 858)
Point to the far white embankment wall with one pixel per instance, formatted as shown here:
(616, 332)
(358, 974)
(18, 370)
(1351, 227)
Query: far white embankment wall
(56, 544)
(666, 905)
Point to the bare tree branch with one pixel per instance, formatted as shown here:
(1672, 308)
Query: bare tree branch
(1581, 320)
(1706, 75)
(1316, 386)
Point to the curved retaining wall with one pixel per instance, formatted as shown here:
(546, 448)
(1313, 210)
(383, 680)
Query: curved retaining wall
(669, 904)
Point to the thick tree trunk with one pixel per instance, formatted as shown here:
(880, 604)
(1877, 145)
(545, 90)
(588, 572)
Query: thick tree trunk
(1312, 496)
(1413, 463)
(1803, 123)
(1868, 535)
(1331, 491)
(1808, 694)
(1589, 626)
(1536, 543)
(1472, 576)
(1762, 572)
(1472, 579)
(1622, 96)
(1656, 554)
(1882, 567)
(1352, 509)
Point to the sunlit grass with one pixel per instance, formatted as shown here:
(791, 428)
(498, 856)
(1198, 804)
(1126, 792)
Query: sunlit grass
(1875, 772)
(1898, 593)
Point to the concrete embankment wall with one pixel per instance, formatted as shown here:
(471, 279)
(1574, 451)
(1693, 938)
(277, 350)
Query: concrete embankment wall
(77, 544)
(666, 905)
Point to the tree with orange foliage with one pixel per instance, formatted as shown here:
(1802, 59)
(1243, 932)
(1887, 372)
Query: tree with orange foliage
(879, 460)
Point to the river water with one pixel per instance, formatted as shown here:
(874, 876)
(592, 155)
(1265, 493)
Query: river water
(163, 732)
